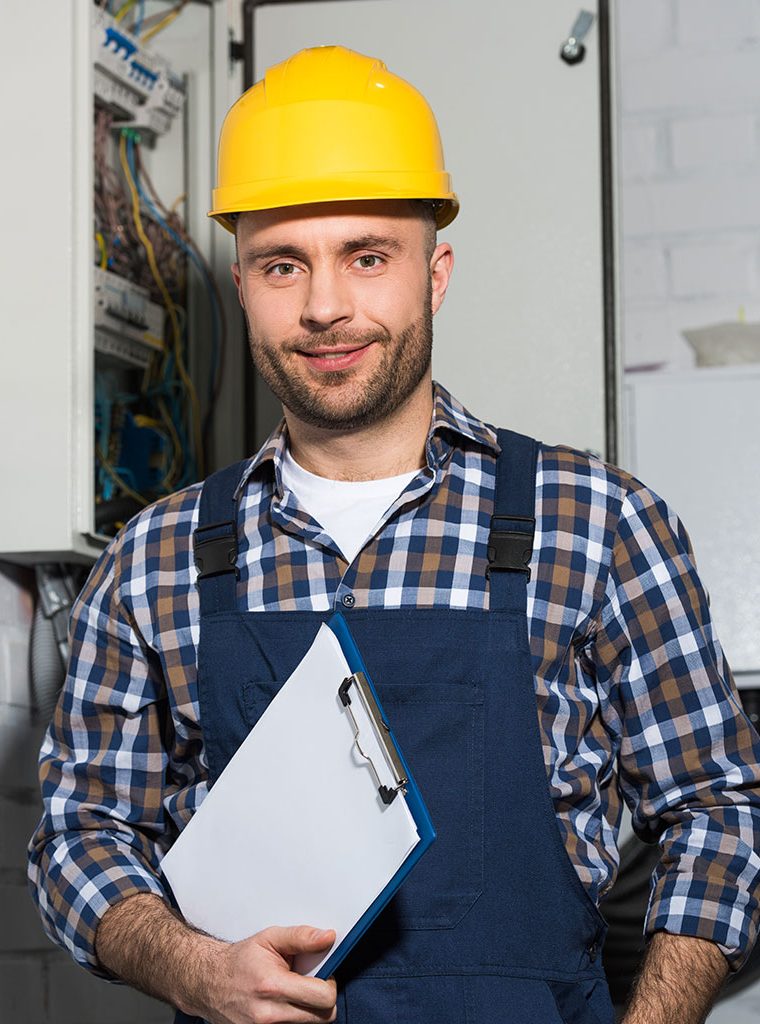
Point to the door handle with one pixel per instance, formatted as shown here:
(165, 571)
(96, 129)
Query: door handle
(573, 49)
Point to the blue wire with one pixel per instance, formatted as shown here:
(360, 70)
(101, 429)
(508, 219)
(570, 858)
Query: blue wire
(216, 316)
(137, 27)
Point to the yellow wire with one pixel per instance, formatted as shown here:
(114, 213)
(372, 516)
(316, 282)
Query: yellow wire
(180, 199)
(176, 445)
(125, 9)
(117, 479)
(195, 406)
(162, 24)
(103, 251)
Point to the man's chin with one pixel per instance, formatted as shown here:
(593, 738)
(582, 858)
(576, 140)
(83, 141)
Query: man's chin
(336, 419)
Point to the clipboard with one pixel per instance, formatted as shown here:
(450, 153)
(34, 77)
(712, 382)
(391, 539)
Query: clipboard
(233, 873)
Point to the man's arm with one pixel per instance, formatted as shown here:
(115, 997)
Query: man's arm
(679, 981)
(689, 758)
(143, 942)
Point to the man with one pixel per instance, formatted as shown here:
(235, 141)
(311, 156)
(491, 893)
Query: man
(381, 496)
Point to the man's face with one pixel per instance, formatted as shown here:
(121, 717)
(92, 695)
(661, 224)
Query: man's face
(339, 300)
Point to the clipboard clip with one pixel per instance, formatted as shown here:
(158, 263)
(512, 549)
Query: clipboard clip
(382, 730)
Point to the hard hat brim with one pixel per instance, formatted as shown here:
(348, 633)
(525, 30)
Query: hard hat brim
(239, 199)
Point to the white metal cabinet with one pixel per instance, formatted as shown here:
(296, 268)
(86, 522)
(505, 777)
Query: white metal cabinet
(46, 256)
(694, 437)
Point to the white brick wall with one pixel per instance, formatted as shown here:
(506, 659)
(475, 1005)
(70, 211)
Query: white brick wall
(689, 109)
(709, 268)
(642, 151)
(704, 142)
(38, 984)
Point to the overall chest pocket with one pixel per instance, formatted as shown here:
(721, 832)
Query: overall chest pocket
(440, 729)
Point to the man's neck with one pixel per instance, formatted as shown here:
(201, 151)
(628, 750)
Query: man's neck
(390, 447)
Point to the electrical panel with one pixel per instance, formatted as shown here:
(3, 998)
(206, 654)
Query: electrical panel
(111, 270)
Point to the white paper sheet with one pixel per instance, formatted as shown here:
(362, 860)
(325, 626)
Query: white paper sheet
(294, 830)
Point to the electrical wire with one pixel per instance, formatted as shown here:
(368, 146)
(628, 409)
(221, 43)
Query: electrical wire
(103, 251)
(130, 492)
(125, 9)
(137, 27)
(164, 22)
(183, 238)
(113, 219)
(195, 417)
(185, 241)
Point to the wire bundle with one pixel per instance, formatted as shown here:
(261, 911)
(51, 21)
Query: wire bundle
(144, 28)
(141, 239)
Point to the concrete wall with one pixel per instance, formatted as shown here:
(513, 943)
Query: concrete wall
(689, 105)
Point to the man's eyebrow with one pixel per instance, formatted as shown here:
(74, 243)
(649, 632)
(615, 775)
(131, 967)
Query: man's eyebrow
(254, 255)
(260, 255)
(372, 242)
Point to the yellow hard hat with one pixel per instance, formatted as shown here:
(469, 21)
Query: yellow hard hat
(329, 124)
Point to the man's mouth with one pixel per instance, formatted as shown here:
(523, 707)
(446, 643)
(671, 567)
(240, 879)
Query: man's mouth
(335, 358)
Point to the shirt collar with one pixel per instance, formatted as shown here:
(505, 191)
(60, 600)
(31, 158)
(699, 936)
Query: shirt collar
(451, 423)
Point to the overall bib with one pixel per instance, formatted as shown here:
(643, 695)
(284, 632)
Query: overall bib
(493, 926)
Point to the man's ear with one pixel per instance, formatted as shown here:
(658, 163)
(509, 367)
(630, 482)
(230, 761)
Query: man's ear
(441, 267)
(235, 270)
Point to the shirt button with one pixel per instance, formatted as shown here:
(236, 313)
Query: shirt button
(348, 600)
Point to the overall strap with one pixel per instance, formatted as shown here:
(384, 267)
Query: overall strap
(215, 541)
(513, 523)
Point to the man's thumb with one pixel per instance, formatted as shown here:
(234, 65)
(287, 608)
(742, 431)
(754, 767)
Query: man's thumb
(301, 938)
(317, 938)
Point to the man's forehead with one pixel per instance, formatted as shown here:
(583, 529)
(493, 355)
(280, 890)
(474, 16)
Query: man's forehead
(381, 216)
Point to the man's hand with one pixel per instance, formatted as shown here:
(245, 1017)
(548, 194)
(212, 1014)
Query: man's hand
(143, 942)
(255, 984)
(679, 981)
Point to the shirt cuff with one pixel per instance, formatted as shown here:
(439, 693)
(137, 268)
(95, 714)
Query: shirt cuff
(78, 879)
(686, 905)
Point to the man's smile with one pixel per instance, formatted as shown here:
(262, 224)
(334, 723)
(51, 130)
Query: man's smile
(335, 358)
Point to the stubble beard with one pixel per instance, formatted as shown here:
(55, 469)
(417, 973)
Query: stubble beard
(331, 402)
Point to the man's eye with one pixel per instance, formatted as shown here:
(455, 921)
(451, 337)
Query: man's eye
(368, 256)
(287, 269)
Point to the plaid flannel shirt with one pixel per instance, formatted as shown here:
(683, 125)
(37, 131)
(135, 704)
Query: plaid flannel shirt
(634, 698)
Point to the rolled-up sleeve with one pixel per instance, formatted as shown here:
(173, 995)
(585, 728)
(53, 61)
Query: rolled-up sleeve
(689, 756)
(101, 769)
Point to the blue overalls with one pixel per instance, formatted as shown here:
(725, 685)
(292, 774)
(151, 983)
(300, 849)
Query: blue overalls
(494, 925)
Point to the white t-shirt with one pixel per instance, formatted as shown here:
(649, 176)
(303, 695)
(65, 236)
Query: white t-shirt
(347, 510)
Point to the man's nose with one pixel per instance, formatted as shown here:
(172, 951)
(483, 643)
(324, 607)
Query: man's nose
(329, 302)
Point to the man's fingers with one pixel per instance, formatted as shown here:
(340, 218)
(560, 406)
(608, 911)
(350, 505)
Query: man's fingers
(305, 992)
(300, 1015)
(299, 939)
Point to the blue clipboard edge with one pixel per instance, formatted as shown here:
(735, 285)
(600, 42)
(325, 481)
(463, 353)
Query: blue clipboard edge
(414, 802)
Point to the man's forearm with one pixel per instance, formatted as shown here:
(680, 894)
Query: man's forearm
(143, 942)
(678, 983)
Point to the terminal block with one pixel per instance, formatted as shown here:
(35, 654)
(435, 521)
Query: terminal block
(135, 83)
(128, 326)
